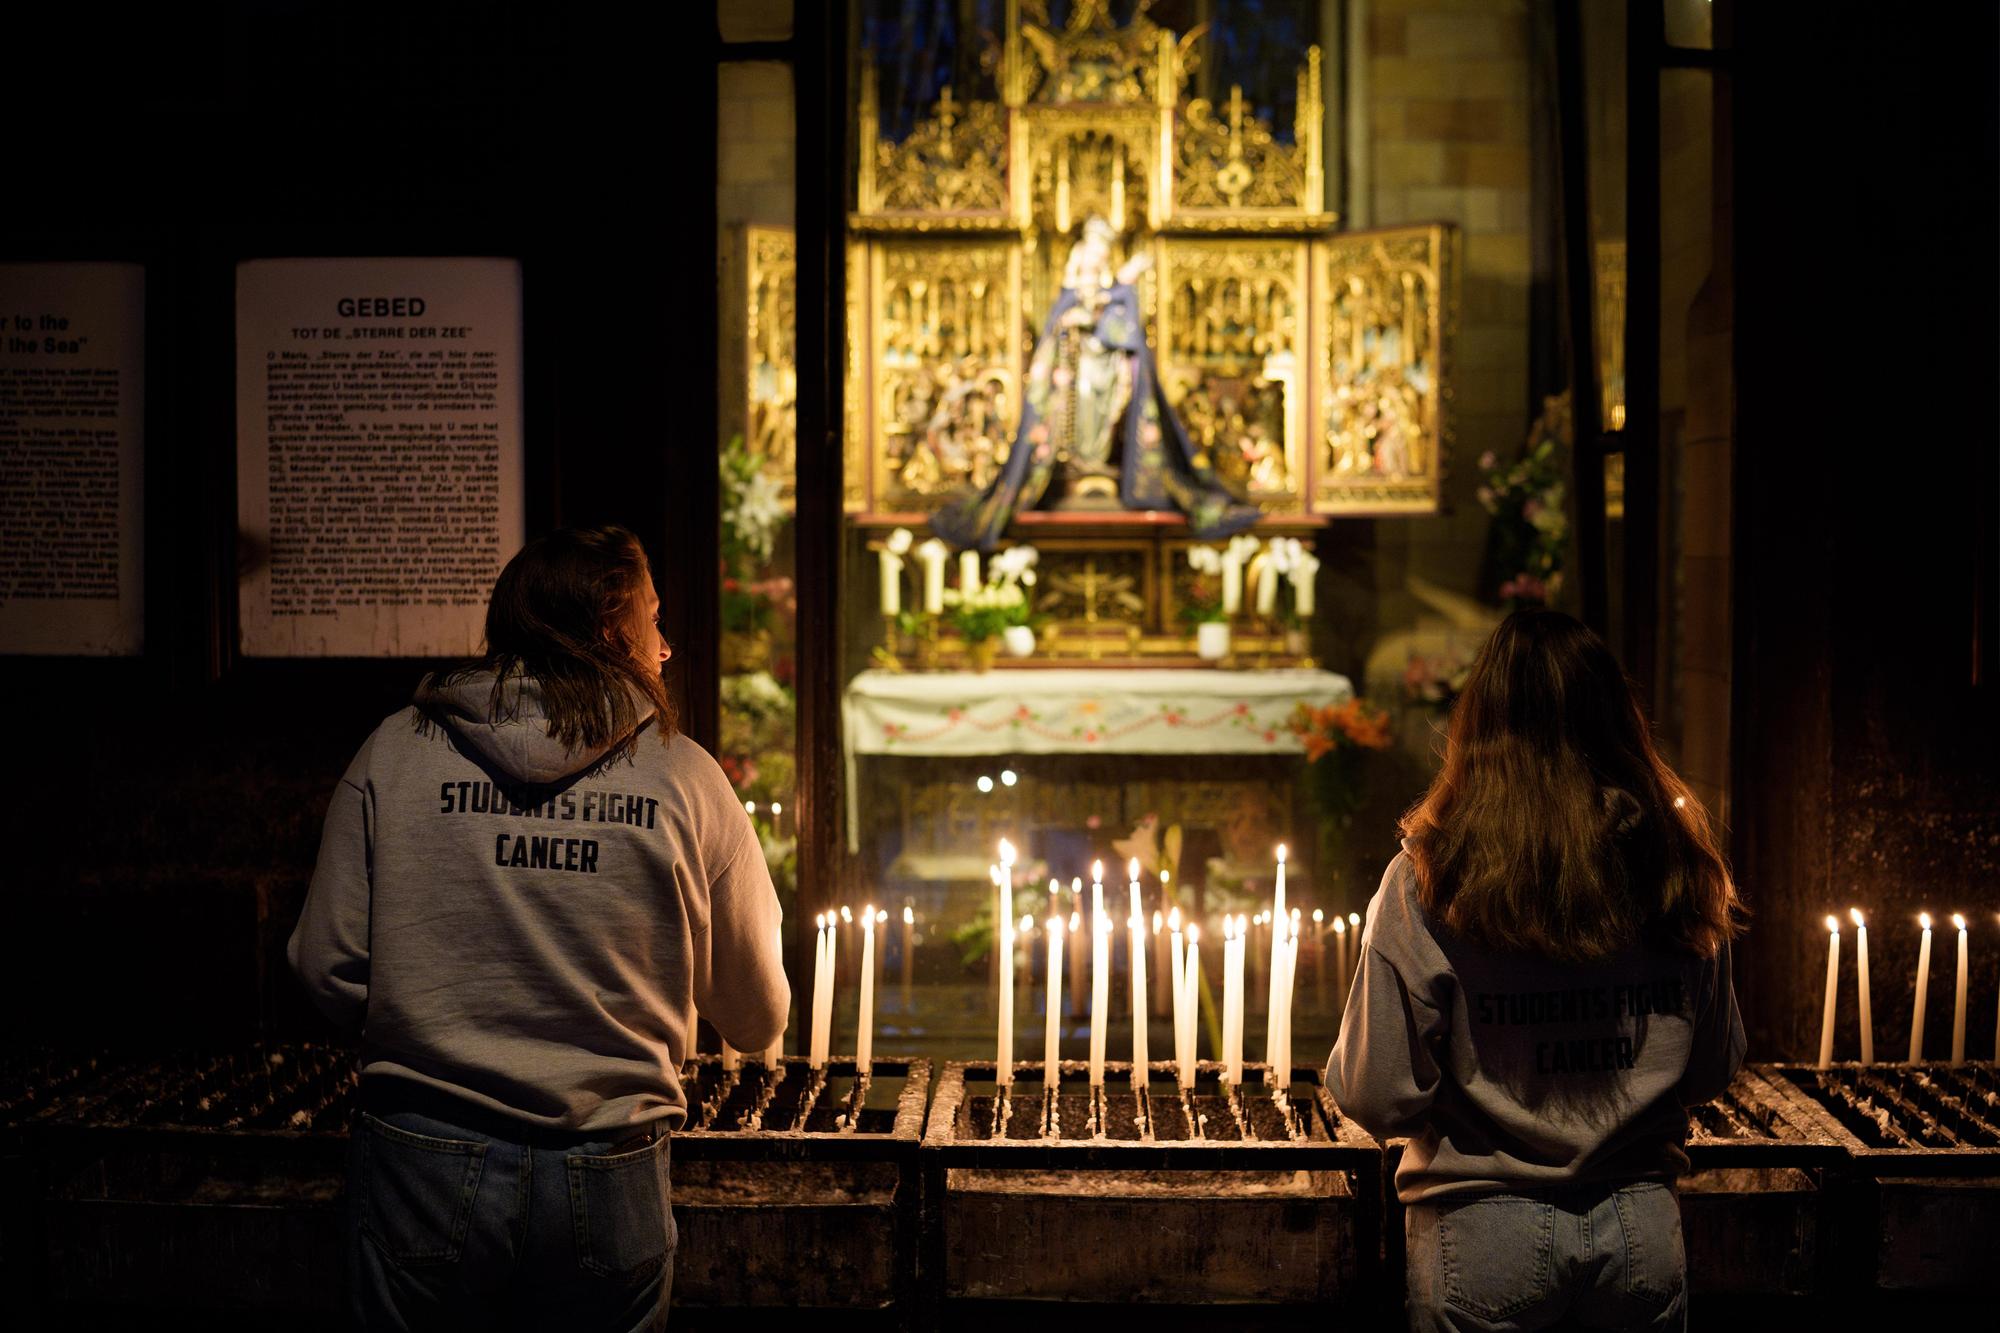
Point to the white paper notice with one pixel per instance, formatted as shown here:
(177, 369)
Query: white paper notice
(72, 458)
(378, 448)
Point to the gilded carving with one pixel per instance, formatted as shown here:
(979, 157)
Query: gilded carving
(1385, 314)
(1231, 358)
(770, 326)
(954, 162)
(945, 383)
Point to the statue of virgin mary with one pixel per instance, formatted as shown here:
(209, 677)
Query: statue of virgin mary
(1095, 430)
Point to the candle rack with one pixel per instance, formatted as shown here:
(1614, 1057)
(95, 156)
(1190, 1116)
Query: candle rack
(204, 1180)
(1919, 1201)
(800, 1190)
(1044, 1193)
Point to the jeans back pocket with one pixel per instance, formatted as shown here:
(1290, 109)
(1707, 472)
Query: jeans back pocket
(417, 1191)
(1495, 1255)
(619, 1207)
(1649, 1215)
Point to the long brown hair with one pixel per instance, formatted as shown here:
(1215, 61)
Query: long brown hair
(1554, 826)
(563, 613)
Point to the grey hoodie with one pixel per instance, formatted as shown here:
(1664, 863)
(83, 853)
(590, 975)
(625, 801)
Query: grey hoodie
(1510, 1072)
(531, 928)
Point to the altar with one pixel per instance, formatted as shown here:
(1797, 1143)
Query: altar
(1158, 711)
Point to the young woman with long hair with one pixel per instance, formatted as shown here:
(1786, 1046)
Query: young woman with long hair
(1544, 990)
(526, 884)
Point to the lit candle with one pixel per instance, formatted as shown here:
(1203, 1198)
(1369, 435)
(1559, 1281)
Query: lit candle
(1958, 1005)
(1319, 959)
(1100, 991)
(1867, 1001)
(1180, 987)
(1192, 978)
(1283, 1069)
(822, 1012)
(1257, 960)
(968, 573)
(1052, 1031)
(1160, 957)
(1077, 947)
(1278, 922)
(1275, 1036)
(1005, 1071)
(1832, 982)
(864, 1048)
(1923, 990)
(1232, 1000)
(909, 956)
(1138, 950)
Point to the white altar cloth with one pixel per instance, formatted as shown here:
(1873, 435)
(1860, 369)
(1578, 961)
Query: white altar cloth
(1081, 711)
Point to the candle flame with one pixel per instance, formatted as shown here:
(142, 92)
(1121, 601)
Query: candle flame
(1833, 924)
(1075, 922)
(1174, 919)
(1076, 884)
(1924, 920)
(1855, 914)
(1295, 918)
(1165, 875)
(819, 919)
(909, 916)
(1006, 852)
(1055, 926)
(1157, 919)
(1027, 922)
(1193, 932)
(868, 912)
(1957, 919)
(1680, 802)
(1097, 872)
(1319, 917)
(846, 915)
(1281, 851)
(1340, 925)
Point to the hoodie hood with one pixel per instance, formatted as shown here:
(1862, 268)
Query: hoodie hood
(520, 744)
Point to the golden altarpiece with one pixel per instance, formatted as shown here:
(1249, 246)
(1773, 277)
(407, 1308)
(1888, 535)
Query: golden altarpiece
(1309, 366)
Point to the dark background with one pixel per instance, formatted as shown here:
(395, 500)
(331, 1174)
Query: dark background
(160, 815)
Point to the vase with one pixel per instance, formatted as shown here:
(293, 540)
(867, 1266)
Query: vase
(1211, 640)
(1020, 640)
(979, 654)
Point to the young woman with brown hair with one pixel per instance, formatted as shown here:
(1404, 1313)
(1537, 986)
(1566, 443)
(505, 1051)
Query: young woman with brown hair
(1544, 989)
(526, 884)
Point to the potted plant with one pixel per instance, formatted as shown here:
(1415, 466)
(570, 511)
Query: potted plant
(983, 615)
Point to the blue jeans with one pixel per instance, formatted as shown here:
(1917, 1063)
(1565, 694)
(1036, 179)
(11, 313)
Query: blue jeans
(1600, 1258)
(454, 1228)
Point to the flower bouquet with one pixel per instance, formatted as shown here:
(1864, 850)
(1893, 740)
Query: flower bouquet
(1531, 527)
(1335, 739)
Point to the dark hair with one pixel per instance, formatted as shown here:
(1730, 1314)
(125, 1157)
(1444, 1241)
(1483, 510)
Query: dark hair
(1554, 826)
(562, 613)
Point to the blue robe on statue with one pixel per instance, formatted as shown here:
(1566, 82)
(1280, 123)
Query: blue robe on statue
(1108, 369)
